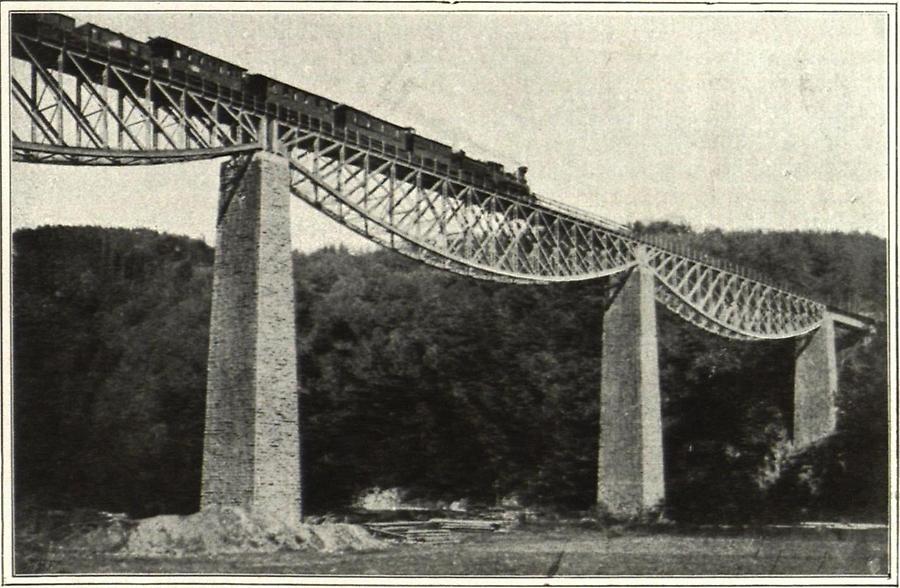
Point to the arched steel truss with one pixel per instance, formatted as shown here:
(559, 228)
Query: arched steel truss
(77, 108)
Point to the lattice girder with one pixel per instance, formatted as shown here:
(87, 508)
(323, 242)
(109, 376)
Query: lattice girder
(74, 108)
(503, 237)
(728, 303)
(497, 234)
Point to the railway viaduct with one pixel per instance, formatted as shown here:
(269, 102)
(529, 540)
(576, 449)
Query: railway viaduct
(73, 106)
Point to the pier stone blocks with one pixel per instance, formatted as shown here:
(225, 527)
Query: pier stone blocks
(630, 465)
(815, 385)
(251, 454)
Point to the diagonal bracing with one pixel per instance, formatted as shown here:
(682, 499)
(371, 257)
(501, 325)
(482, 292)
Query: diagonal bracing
(74, 108)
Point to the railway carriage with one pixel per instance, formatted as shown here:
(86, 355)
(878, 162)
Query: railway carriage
(52, 30)
(190, 65)
(119, 48)
(372, 132)
(309, 110)
(432, 154)
(45, 25)
(375, 133)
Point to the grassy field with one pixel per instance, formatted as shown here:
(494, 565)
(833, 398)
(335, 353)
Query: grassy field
(530, 551)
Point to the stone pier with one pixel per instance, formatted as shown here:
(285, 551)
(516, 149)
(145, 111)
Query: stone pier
(630, 465)
(251, 454)
(815, 385)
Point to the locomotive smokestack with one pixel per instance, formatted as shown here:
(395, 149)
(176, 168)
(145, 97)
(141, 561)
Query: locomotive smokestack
(520, 173)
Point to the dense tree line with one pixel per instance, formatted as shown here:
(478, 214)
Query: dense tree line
(420, 379)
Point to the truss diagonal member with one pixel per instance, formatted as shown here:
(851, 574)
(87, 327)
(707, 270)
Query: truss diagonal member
(564, 236)
(179, 112)
(581, 252)
(35, 114)
(356, 181)
(374, 204)
(62, 97)
(382, 171)
(210, 120)
(175, 110)
(297, 137)
(398, 243)
(711, 289)
(438, 193)
(724, 294)
(211, 114)
(739, 304)
(512, 247)
(136, 104)
(247, 122)
(104, 104)
(750, 331)
(486, 238)
(690, 315)
(563, 254)
(395, 204)
(457, 203)
(676, 265)
(394, 230)
(421, 196)
(337, 164)
(355, 178)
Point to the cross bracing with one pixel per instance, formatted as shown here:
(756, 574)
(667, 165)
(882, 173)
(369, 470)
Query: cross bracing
(79, 108)
(75, 107)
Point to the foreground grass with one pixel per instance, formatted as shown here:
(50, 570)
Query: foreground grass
(561, 551)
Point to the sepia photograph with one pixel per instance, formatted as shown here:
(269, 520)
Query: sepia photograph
(449, 293)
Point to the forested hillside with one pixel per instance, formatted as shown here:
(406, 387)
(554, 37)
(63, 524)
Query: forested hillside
(414, 378)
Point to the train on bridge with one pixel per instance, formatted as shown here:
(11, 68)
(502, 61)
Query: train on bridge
(165, 57)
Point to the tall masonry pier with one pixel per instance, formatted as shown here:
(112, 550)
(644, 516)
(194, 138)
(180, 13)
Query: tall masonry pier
(251, 455)
(630, 463)
(815, 384)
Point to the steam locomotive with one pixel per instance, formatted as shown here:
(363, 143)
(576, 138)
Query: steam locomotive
(165, 57)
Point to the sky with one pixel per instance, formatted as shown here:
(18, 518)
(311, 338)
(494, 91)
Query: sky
(772, 121)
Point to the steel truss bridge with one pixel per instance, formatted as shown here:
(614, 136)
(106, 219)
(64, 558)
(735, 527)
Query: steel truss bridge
(74, 107)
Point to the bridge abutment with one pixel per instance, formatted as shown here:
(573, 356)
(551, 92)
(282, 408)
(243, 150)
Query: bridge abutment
(815, 385)
(251, 454)
(630, 465)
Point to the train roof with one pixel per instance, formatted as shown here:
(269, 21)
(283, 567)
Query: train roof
(28, 20)
(369, 115)
(63, 19)
(377, 118)
(92, 27)
(438, 143)
(286, 85)
(165, 42)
